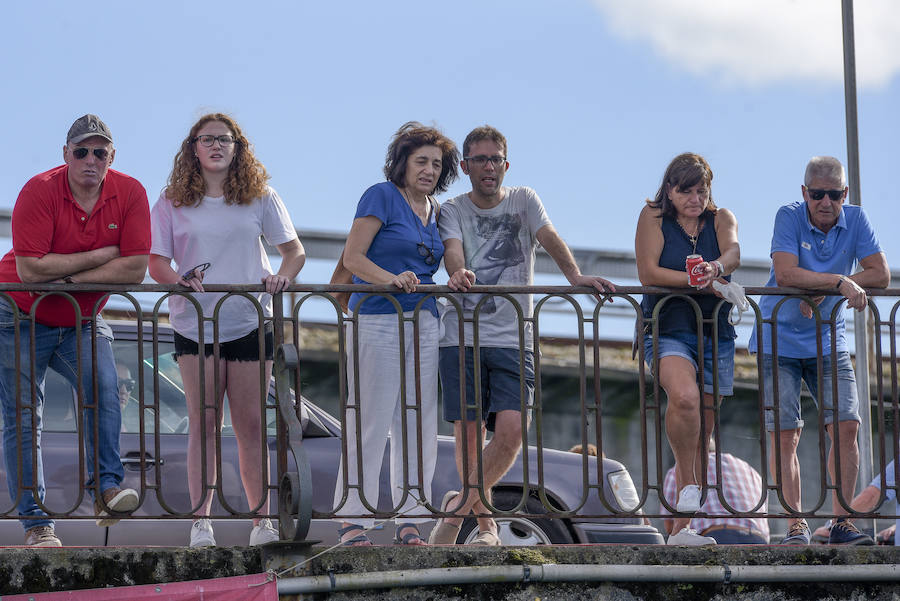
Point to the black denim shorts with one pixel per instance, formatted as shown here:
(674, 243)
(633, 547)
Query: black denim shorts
(245, 348)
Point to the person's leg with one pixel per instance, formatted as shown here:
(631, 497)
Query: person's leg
(242, 383)
(497, 457)
(501, 374)
(783, 453)
(408, 494)
(202, 403)
(102, 413)
(787, 442)
(838, 372)
(457, 393)
(22, 437)
(376, 360)
(678, 377)
(849, 455)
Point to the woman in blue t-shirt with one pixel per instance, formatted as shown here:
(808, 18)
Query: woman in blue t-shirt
(683, 220)
(394, 241)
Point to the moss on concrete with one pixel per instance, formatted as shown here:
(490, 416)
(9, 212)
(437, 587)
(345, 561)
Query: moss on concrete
(39, 570)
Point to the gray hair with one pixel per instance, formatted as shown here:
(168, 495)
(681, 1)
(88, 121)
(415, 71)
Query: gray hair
(828, 168)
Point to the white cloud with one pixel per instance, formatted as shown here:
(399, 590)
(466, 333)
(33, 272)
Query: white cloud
(756, 42)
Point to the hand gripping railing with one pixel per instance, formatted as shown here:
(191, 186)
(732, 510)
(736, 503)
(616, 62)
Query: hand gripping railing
(295, 489)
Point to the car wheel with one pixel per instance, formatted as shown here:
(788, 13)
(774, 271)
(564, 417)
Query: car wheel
(520, 531)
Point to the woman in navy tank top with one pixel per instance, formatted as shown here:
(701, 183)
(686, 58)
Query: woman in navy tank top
(683, 220)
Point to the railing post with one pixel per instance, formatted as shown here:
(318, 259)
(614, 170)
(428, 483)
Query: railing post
(859, 318)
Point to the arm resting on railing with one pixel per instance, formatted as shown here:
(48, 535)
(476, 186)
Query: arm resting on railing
(53, 266)
(114, 270)
(875, 274)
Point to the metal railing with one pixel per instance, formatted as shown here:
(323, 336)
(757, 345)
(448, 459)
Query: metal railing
(544, 483)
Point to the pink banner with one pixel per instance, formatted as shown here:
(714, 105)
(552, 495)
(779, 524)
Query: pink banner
(255, 587)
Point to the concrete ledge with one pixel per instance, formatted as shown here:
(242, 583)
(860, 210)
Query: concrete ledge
(36, 570)
(27, 570)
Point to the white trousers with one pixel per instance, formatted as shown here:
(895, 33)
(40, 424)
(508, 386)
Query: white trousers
(381, 411)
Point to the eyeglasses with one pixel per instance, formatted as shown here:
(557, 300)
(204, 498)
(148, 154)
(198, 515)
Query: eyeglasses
(194, 271)
(128, 384)
(224, 140)
(481, 160)
(426, 253)
(81, 153)
(834, 195)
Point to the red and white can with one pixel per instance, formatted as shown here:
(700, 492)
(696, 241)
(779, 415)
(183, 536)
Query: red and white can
(692, 267)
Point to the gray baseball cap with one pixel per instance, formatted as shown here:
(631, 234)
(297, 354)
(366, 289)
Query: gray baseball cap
(86, 127)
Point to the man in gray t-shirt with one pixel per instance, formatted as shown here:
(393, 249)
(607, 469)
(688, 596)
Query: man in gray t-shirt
(489, 236)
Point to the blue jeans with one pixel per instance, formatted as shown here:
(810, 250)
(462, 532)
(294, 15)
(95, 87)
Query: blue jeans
(57, 348)
(791, 371)
(684, 344)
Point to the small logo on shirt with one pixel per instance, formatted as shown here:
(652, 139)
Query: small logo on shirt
(802, 244)
(112, 226)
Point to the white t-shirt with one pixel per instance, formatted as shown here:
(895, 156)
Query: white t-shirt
(228, 237)
(499, 245)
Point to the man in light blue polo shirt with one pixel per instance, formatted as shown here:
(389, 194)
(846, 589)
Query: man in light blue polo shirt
(815, 245)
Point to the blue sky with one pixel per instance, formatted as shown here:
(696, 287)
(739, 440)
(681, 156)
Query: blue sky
(595, 97)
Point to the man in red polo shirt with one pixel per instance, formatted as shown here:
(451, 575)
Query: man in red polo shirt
(78, 223)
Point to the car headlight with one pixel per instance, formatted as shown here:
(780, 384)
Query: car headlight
(623, 489)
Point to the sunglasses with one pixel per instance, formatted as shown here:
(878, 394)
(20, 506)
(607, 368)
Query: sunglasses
(128, 385)
(426, 253)
(81, 153)
(194, 271)
(834, 195)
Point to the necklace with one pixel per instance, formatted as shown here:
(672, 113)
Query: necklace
(426, 252)
(692, 238)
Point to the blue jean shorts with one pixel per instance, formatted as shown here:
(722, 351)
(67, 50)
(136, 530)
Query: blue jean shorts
(500, 384)
(684, 344)
(791, 371)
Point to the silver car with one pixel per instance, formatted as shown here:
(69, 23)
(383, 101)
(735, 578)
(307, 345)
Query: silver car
(159, 472)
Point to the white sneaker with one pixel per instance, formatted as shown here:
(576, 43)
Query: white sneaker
(263, 533)
(688, 499)
(202, 534)
(690, 537)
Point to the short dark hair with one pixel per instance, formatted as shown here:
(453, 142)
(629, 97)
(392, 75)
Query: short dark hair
(685, 171)
(412, 136)
(485, 132)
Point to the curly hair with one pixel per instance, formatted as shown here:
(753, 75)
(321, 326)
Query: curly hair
(412, 136)
(685, 171)
(246, 178)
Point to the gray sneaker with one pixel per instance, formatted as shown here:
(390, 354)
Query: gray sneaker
(42, 536)
(798, 534)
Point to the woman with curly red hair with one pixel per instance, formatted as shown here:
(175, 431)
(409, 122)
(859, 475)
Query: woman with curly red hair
(209, 219)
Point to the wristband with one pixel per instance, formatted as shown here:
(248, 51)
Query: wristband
(841, 280)
(718, 264)
(68, 280)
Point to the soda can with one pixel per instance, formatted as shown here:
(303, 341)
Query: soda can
(692, 267)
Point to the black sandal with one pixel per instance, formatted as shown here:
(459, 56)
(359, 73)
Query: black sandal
(410, 537)
(360, 540)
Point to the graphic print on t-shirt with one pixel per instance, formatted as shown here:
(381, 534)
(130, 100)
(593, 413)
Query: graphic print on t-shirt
(500, 251)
